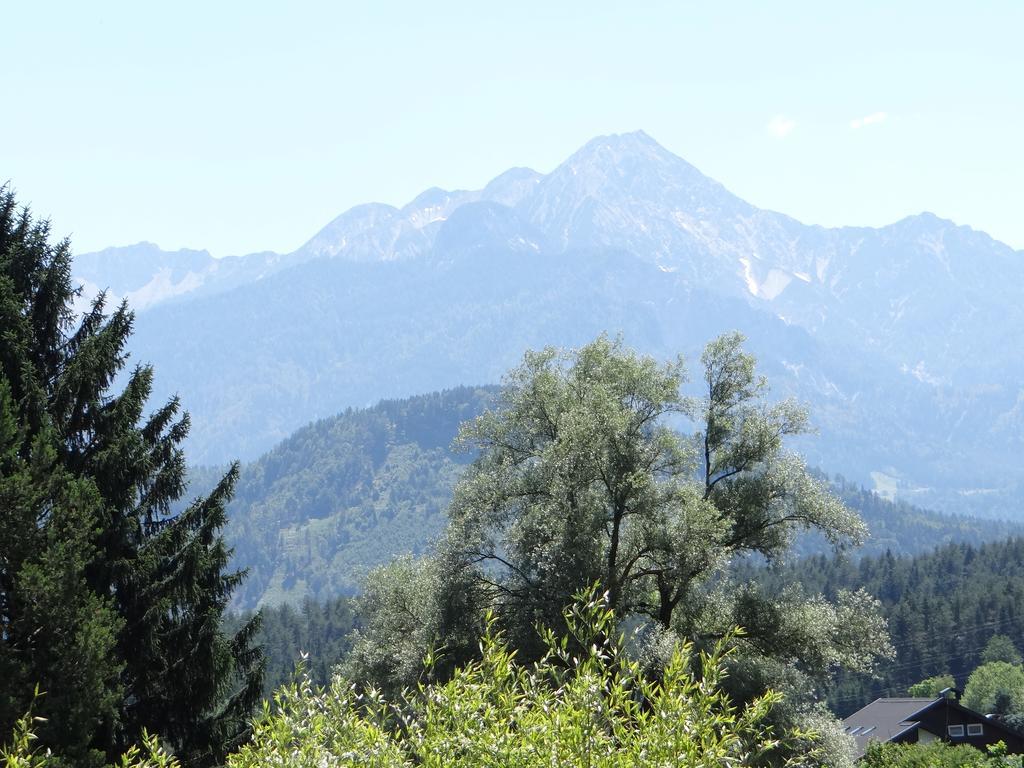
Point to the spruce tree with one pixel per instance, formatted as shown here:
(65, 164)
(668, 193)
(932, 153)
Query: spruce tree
(157, 582)
(55, 632)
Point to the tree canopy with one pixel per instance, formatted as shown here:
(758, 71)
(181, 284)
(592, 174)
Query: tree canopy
(996, 687)
(931, 687)
(1001, 648)
(582, 476)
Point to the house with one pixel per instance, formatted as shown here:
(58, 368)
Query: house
(907, 721)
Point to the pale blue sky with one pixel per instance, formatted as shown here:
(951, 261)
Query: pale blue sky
(246, 126)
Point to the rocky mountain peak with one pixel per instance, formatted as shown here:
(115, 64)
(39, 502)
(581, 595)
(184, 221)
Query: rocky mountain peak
(510, 187)
(633, 161)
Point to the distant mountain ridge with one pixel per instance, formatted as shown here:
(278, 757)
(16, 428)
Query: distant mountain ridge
(146, 275)
(628, 193)
(900, 338)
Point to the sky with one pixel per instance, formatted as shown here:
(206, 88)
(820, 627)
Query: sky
(241, 127)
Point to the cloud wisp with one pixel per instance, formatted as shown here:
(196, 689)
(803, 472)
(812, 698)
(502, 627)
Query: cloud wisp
(873, 119)
(781, 126)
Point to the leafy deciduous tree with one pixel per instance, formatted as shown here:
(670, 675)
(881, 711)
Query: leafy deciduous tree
(582, 477)
(995, 688)
(931, 687)
(936, 754)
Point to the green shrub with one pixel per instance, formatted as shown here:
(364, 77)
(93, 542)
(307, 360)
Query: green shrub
(21, 753)
(937, 754)
(583, 704)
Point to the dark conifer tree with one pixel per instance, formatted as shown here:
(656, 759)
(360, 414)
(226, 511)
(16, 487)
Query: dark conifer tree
(55, 631)
(158, 582)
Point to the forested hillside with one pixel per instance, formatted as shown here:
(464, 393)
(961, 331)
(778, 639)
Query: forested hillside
(942, 608)
(347, 493)
(316, 634)
(350, 492)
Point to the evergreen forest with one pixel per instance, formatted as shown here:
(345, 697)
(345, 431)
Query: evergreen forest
(942, 609)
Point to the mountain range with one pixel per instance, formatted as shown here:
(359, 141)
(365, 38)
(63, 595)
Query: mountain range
(901, 338)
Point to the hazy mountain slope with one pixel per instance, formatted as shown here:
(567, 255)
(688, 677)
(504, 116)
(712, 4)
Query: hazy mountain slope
(931, 297)
(355, 490)
(901, 338)
(365, 331)
(146, 275)
(377, 232)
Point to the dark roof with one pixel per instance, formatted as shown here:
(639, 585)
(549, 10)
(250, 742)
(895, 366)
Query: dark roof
(898, 719)
(884, 719)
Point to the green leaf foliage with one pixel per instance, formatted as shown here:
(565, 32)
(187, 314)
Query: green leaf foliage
(931, 687)
(24, 752)
(582, 704)
(937, 754)
(995, 687)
